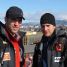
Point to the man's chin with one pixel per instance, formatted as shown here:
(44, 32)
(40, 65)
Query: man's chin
(14, 32)
(47, 35)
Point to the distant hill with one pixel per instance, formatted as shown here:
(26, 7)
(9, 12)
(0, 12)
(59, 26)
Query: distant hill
(61, 22)
(58, 22)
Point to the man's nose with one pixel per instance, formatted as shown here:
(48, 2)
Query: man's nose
(16, 23)
(45, 28)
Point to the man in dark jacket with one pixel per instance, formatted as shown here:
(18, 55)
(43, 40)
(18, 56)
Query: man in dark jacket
(11, 46)
(51, 51)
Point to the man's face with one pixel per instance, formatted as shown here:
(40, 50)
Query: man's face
(47, 29)
(13, 25)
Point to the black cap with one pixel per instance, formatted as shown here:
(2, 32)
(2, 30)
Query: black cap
(14, 12)
(47, 18)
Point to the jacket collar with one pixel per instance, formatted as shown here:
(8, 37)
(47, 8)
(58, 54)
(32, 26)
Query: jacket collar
(49, 39)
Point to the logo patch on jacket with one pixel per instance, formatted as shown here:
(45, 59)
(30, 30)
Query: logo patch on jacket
(59, 47)
(6, 56)
(4, 42)
(57, 59)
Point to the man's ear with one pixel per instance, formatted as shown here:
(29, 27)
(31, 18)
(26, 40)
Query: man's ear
(6, 21)
(54, 27)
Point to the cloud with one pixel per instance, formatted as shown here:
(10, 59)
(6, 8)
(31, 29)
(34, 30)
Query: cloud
(36, 16)
(61, 16)
(2, 15)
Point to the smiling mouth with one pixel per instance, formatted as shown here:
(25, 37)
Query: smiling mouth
(15, 27)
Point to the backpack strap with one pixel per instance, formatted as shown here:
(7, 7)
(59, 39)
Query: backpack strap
(2, 50)
(3, 45)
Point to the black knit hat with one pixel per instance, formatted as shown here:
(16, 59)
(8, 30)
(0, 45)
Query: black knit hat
(47, 18)
(14, 12)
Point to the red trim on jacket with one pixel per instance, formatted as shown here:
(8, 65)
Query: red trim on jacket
(15, 44)
(17, 53)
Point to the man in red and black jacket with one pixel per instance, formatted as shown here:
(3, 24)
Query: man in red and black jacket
(11, 46)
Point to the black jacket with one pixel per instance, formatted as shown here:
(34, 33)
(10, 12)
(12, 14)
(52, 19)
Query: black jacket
(7, 47)
(46, 51)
